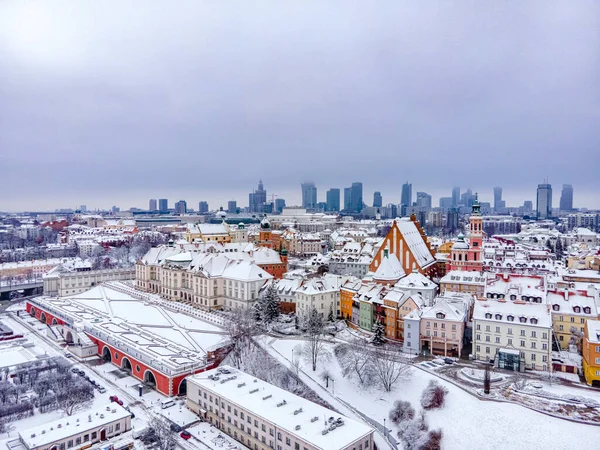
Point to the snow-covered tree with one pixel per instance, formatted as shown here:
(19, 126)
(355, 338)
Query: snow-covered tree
(558, 250)
(402, 411)
(389, 366)
(159, 429)
(330, 316)
(415, 434)
(241, 327)
(379, 333)
(268, 305)
(355, 360)
(433, 395)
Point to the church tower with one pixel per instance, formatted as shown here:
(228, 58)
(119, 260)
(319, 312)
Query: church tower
(476, 237)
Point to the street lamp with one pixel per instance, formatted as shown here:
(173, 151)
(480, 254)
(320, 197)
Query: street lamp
(384, 429)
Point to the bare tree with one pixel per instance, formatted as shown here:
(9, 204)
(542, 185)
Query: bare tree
(520, 382)
(295, 362)
(355, 361)
(401, 412)
(389, 366)
(314, 348)
(241, 327)
(326, 376)
(160, 430)
(72, 394)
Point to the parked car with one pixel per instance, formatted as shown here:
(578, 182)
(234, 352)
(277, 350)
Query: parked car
(176, 428)
(101, 389)
(81, 373)
(113, 398)
(448, 361)
(120, 402)
(75, 370)
(185, 434)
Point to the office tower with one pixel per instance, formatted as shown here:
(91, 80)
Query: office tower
(544, 201)
(446, 202)
(203, 207)
(257, 199)
(180, 207)
(455, 196)
(152, 205)
(333, 200)
(279, 204)
(423, 200)
(356, 196)
(452, 219)
(83, 208)
(309, 195)
(497, 198)
(347, 199)
(393, 210)
(231, 207)
(528, 206)
(163, 204)
(405, 198)
(566, 198)
(467, 198)
(115, 209)
(377, 200)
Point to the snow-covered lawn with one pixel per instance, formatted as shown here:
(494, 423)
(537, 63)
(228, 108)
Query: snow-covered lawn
(466, 421)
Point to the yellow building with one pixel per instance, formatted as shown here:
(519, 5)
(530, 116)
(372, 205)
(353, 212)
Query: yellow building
(571, 310)
(208, 232)
(591, 353)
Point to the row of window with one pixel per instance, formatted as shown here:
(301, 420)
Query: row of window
(532, 355)
(510, 331)
(510, 342)
(87, 437)
(576, 309)
(511, 318)
(435, 325)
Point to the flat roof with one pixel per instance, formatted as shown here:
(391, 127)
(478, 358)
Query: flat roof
(60, 429)
(284, 409)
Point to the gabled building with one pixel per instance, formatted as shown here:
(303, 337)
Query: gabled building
(571, 309)
(321, 293)
(591, 352)
(398, 304)
(460, 281)
(417, 283)
(442, 326)
(407, 241)
(389, 270)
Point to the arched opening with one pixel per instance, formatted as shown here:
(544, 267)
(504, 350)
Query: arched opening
(126, 365)
(54, 321)
(183, 387)
(103, 434)
(106, 356)
(43, 317)
(69, 338)
(149, 378)
(32, 311)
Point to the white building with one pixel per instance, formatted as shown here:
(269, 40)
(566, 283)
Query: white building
(66, 280)
(412, 335)
(503, 329)
(264, 417)
(417, 283)
(322, 293)
(83, 429)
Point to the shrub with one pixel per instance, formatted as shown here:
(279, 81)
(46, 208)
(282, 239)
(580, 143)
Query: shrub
(433, 396)
(401, 412)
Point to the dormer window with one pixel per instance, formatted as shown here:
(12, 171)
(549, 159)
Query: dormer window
(513, 297)
(587, 310)
(498, 316)
(440, 315)
(510, 318)
(488, 315)
(523, 319)
(534, 321)
(555, 307)
(577, 309)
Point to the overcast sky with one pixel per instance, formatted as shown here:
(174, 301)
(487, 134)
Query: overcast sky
(112, 103)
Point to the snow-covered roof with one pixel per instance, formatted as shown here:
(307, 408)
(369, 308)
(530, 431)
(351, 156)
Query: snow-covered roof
(593, 328)
(416, 280)
(454, 311)
(415, 242)
(58, 430)
(568, 301)
(293, 414)
(389, 269)
(464, 277)
(501, 310)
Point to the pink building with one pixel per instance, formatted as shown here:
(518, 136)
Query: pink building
(443, 326)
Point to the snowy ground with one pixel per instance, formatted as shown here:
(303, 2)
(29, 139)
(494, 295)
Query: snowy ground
(466, 421)
(209, 437)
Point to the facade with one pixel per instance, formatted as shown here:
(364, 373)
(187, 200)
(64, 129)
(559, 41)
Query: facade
(262, 416)
(279, 205)
(502, 328)
(417, 283)
(309, 196)
(152, 205)
(498, 199)
(571, 309)
(406, 240)
(28, 269)
(83, 429)
(321, 293)
(163, 205)
(405, 198)
(412, 333)
(377, 200)
(396, 306)
(181, 207)
(423, 201)
(459, 281)
(544, 201)
(591, 352)
(203, 207)
(347, 292)
(61, 283)
(257, 199)
(442, 326)
(231, 207)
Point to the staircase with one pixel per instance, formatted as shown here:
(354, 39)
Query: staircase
(54, 334)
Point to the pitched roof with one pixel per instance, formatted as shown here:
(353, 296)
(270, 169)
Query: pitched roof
(390, 269)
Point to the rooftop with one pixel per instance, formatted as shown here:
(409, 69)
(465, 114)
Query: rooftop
(296, 415)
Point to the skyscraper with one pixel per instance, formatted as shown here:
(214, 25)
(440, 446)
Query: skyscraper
(544, 201)
(257, 199)
(231, 206)
(309, 195)
(423, 200)
(333, 200)
(405, 198)
(347, 199)
(357, 196)
(498, 198)
(527, 206)
(163, 204)
(377, 200)
(152, 205)
(467, 198)
(202, 207)
(566, 198)
(279, 204)
(180, 207)
(455, 196)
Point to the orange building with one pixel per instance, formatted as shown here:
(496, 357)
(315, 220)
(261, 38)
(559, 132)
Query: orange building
(591, 352)
(347, 293)
(398, 304)
(407, 241)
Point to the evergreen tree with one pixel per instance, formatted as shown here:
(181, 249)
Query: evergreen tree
(558, 250)
(379, 336)
(549, 245)
(330, 315)
(268, 305)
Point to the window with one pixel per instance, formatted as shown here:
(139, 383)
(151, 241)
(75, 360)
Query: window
(279, 436)
(510, 318)
(241, 415)
(296, 446)
(94, 434)
(487, 339)
(70, 444)
(117, 427)
(533, 356)
(478, 326)
(478, 337)
(522, 343)
(560, 328)
(477, 348)
(487, 328)
(533, 334)
(487, 349)
(510, 342)
(510, 331)
(86, 437)
(78, 441)
(287, 441)
(497, 340)
(544, 358)
(497, 329)
(544, 335)
(533, 345)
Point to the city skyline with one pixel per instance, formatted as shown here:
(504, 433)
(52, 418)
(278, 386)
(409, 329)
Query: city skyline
(163, 114)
